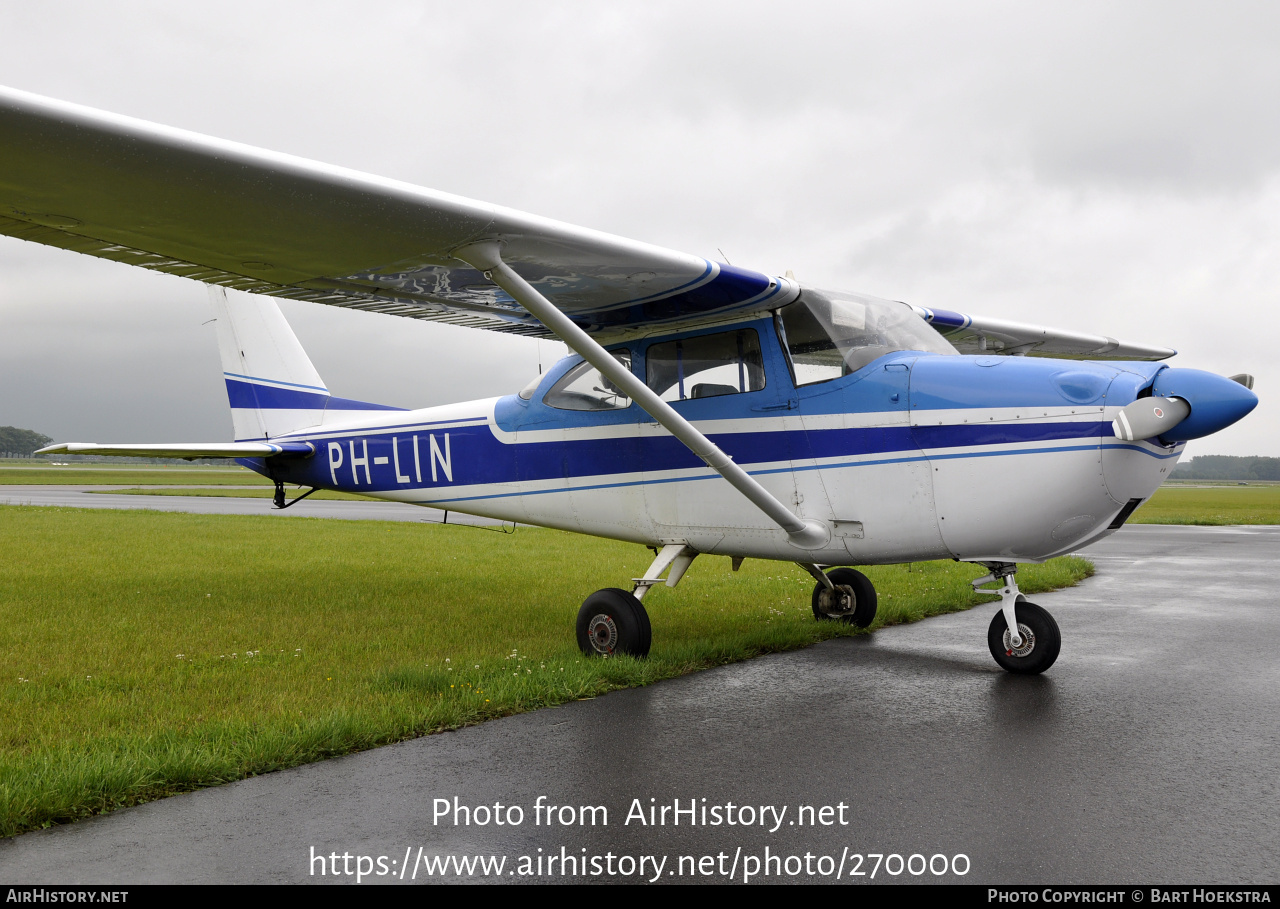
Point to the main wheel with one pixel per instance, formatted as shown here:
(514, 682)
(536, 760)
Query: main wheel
(613, 621)
(1041, 640)
(852, 602)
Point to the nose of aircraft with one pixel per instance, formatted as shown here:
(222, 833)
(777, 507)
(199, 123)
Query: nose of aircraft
(1216, 402)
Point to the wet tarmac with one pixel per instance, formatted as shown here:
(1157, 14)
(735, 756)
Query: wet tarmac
(1149, 753)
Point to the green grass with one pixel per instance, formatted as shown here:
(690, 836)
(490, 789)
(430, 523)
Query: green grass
(146, 653)
(1211, 505)
(93, 475)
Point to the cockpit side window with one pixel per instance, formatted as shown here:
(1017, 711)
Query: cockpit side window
(828, 335)
(813, 355)
(584, 388)
(706, 366)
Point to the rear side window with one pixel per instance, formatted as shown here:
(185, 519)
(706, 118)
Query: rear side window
(584, 388)
(707, 366)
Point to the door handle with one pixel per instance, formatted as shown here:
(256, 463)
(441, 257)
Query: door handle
(791, 404)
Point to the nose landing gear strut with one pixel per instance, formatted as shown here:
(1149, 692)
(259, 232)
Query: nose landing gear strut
(1023, 637)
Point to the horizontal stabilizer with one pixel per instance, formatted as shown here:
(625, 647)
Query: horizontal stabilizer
(187, 450)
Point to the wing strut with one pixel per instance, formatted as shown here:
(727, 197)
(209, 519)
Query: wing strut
(485, 257)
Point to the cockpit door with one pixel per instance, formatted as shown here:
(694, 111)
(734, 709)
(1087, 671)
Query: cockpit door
(874, 476)
(730, 386)
(851, 359)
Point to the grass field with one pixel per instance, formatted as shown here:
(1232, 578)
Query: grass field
(146, 653)
(1253, 504)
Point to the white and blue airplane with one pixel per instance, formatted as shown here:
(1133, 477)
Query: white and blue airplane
(709, 409)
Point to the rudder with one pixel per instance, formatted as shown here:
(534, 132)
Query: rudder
(272, 385)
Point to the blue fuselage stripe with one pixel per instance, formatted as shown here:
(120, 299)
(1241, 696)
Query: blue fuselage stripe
(253, 396)
(258, 380)
(477, 457)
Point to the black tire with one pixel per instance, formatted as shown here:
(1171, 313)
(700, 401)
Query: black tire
(612, 621)
(855, 584)
(1035, 623)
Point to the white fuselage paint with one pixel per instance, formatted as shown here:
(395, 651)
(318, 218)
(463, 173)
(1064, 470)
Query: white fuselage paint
(1021, 502)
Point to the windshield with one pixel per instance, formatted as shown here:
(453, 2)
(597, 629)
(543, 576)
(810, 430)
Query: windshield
(828, 334)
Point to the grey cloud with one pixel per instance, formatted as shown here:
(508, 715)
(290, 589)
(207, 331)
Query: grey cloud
(1107, 167)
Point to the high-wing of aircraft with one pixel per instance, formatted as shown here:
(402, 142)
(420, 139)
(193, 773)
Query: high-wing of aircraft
(709, 409)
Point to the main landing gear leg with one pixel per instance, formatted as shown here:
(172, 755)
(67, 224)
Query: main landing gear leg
(613, 621)
(1023, 637)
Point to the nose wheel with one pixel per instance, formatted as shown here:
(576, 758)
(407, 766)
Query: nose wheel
(1035, 646)
(1039, 644)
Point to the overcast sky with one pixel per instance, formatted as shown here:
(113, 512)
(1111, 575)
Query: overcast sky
(1107, 167)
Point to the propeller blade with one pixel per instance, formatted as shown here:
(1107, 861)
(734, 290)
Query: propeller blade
(1149, 417)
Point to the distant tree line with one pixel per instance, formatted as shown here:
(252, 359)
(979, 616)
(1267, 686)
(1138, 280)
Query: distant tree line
(20, 443)
(1227, 467)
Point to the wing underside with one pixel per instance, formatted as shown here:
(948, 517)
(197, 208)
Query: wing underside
(229, 214)
(248, 219)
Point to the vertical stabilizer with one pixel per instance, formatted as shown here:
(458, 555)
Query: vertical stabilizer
(271, 384)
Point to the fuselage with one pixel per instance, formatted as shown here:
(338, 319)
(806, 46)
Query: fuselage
(911, 456)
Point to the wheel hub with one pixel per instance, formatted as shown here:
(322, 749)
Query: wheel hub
(1028, 642)
(837, 602)
(603, 633)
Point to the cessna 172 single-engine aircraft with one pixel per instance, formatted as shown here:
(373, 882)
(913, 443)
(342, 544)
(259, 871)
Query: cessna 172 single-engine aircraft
(709, 409)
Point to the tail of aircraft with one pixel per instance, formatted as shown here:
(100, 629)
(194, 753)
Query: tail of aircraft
(272, 387)
(271, 383)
